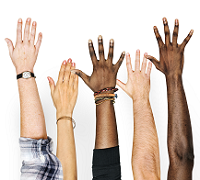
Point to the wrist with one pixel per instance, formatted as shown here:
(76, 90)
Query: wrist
(19, 71)
(60, 114)
(174, 79)
(140, 100)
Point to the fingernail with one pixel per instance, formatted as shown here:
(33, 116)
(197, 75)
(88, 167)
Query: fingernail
(28, 19)
(111, 41)
(100, 37)
(145, 53)
(69, 60)
(48, 78)
(34, 23)
(64, 62)
(176, 22)
(155, 28)
(89, 41)
(191, 32)
(138, 51)
(20, 20)
(127, 54)
(73, 64)
(164, 20)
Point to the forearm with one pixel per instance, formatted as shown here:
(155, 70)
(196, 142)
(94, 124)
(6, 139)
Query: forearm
(145, 157)
(106, 127)
(32, 117)
(180, 143)
(66, 151)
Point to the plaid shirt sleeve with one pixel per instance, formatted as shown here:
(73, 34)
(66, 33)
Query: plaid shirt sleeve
(38, 161)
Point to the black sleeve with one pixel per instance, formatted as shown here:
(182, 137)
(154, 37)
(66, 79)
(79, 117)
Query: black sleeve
(106, 164)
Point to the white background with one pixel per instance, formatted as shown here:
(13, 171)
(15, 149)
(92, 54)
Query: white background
(66, 27)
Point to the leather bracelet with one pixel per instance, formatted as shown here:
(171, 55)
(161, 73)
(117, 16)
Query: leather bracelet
(67, 118)
(104, 95)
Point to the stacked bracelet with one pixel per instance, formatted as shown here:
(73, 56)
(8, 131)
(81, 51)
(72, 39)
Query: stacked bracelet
(67, 118)
(101, 98)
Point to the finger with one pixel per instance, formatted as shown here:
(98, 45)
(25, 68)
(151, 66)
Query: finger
(175, 33)
(153, 60)
(72, 76)
(121, 84)
(81, 74)
(76, 83)
(119, 62)
(10, 46)
(158, 37)
(19, 31)
(27, 30)
(33, 31)
(67, 71)
(92, 52)
(149, 69)
(38, 44)
(137, 60)
(101, 49)
(111, 49)
(186, 40)
(128, 64)
(167, 32)
(144, 64)
(62, 72)
(51, 84)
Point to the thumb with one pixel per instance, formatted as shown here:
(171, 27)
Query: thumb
(10, 46)
(121, 84)
(153, 60)
(51, 84)
(81, 74)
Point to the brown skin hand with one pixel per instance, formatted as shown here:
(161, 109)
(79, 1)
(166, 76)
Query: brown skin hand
(104, 75)
(180, 141)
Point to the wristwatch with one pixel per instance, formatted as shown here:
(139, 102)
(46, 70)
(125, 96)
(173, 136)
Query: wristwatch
(25, 75)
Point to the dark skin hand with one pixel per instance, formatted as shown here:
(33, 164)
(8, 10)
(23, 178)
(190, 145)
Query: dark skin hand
(104, 75)
(180, 141)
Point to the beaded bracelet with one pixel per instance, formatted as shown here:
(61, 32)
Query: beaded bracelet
(106, 89)
(68, 118)
(104, 99)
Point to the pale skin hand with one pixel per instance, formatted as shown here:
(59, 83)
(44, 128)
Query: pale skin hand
(180, 141)
(24, 56)
(138, 84)
(25, 53)
(145, 154)
(64, 95)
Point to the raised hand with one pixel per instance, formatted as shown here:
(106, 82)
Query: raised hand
(64, 93)
(104, 71)
(138, 84)
(25, 53)
(180, 140)
(171, 53)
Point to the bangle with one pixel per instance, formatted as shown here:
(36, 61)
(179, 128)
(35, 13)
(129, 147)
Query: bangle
(67, 118)
(106, 89)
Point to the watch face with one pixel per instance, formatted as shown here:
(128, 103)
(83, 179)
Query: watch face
(26, 75)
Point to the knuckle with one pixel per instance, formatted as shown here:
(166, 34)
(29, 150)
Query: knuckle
(175, 34)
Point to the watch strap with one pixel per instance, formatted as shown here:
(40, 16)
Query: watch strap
(20, 75)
